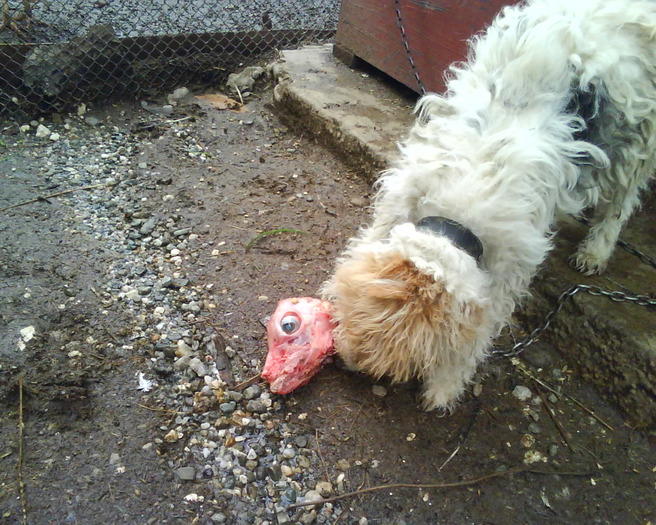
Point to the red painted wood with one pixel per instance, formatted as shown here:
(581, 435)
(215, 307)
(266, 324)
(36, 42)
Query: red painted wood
(437, 33)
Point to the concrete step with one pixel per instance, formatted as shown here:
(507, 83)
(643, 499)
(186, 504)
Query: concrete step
(612, 344)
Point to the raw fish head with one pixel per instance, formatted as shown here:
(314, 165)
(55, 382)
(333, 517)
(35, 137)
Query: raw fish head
(300, 340)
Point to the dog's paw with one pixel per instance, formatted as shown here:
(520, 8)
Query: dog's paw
(589, 262)
(438, 402)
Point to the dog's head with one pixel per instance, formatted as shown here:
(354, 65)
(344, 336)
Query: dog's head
(406, 304)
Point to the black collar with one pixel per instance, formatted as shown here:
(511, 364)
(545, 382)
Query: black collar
(461, 236)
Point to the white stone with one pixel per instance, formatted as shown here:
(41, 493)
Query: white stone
(42, 131)
(522, 393)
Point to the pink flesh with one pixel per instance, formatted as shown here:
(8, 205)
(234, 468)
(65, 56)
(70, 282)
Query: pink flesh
(293, 359)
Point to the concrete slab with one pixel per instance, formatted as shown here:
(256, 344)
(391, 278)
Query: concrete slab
(612, 344)
(351, 112)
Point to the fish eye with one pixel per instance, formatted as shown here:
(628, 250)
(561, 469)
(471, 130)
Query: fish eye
(290, 323)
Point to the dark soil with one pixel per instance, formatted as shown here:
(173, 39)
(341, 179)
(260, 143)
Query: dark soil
(83, 416)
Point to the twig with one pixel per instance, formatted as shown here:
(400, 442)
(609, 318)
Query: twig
(247, 383)
(356, 418)
(176, 120)
(555, 421)
(453, 454)
(197, 321)
(589, 411)
(21, 426)
(435, 485)
(156, 409)
(463, 435)
(323, 462)
(111, 336)
(574, 400)
(46, 197)
(241, 99)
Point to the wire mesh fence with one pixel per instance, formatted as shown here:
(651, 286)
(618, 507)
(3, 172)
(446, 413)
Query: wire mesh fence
(55, 54)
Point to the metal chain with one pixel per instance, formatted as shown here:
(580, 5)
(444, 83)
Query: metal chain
(617, 296)
(634, 251)
(408, 52)
(518, 348)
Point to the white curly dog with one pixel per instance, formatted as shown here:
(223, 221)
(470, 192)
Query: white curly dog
(554, 111)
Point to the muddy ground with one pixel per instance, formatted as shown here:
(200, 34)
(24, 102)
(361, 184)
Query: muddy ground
(95, 449)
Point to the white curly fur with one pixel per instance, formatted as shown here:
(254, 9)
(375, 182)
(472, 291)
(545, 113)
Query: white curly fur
(503, 152)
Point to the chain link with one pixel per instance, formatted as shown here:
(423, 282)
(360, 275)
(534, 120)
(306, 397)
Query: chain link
(634, 251)
(616, 296)
(406, 45)
(613, 295)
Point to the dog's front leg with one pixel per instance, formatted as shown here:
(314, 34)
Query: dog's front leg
(445, 384)
(594, 252)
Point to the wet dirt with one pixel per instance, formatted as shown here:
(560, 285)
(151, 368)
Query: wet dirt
(85, 454)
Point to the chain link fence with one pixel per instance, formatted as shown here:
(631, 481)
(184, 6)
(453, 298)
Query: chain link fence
(55, 54)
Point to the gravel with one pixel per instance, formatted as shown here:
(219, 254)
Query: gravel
(257, 463)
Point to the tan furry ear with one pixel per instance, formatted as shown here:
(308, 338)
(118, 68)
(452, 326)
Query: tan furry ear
(399, 280)
(390, 316)
(393, 290)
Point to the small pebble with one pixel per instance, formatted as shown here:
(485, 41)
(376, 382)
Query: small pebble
(343, 465)
(534, 428)
(198, 366)
(42, 131)
(252, 392)
(289, 453)
(379, 391)
(186, 473)
(313, 495)
(527, 441)
(228, 408)
(325, 488)
(522, 393)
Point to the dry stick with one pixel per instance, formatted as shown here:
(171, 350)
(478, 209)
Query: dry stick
(247, 383)
(463, 435)
(341, 515)
(240, 97)
(156, 409)
(434, 485)
(111, 336)
(46, 197)
(589, 411)
(323, 462)
(21, 484)
(552, 416)
(574, 400)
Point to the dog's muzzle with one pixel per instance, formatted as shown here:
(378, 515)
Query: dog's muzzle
(461, 236)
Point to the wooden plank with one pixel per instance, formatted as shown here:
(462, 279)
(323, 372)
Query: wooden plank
(437, 32)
